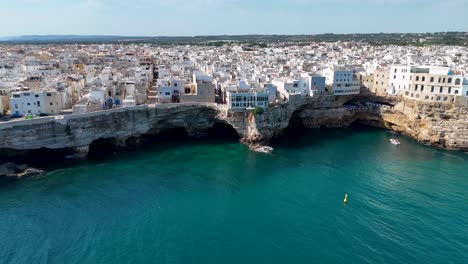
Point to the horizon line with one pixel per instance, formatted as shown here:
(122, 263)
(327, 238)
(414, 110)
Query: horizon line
(217, 35)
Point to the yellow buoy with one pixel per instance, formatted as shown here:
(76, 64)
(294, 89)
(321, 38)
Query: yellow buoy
(345, 198)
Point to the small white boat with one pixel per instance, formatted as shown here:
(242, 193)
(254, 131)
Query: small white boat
(263, 149)
(395, 141)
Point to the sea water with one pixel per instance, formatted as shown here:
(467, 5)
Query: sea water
(215, 201)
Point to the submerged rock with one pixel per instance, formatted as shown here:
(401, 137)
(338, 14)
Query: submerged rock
(13, 171)
(30, 172)
(262, 149)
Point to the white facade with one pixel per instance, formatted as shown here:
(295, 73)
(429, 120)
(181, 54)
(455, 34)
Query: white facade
(399, 78)
(342, 82)
(240, 100)
(129, 101)
(42, 102)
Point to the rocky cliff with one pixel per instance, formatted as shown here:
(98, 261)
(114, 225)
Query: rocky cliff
(78, 132)
(435, 124)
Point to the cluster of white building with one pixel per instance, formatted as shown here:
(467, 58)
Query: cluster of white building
(61, 79)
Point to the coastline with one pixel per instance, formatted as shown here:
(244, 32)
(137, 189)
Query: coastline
(432, 124)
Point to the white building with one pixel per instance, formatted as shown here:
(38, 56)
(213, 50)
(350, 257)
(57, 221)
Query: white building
(342, 82)
(399, 78)
(240, 100)
(129, 101)
(36, 103)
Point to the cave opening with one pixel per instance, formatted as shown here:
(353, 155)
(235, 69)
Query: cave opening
(102, 147)
(223, 131)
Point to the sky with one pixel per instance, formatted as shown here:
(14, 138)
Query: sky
(230, 17)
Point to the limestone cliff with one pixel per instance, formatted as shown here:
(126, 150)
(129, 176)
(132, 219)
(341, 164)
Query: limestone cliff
(435, 124)
(77, 132)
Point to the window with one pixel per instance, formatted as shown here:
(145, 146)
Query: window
(29, 104)
(394, 76)
(427, 97)
(51, 104)
(415, 87)
(432, 89)
(16, 106)
(422, 87)
(445, 98)
(449, 80)
(49, 94)
(438, 98)
(167, 93)
(457, 81)
(440, 79)
(395, 70)
(450, 90)
(456, 91)
(36, 95)
(432, 79)
(38, 103)
(417, 78)
(423, 79)
(441, 89)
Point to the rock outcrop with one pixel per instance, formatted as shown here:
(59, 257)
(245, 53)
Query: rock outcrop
(78, 132)
(436, 124)
(12, 171)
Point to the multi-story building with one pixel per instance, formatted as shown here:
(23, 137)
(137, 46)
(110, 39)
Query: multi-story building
(434, 84)
(399, 77)
(342, 82)
(381, 77)
(36, 103)
(367, 82)
(240, 100)
(317, 85)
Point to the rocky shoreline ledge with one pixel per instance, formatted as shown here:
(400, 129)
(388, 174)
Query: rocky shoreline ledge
(13, 171)
(434, 124)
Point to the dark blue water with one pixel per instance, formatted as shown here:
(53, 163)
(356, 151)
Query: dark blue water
(217, 202)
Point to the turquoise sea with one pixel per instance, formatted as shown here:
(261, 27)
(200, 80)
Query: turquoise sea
(214, 201)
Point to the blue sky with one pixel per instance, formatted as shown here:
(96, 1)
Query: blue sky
(216, 17)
